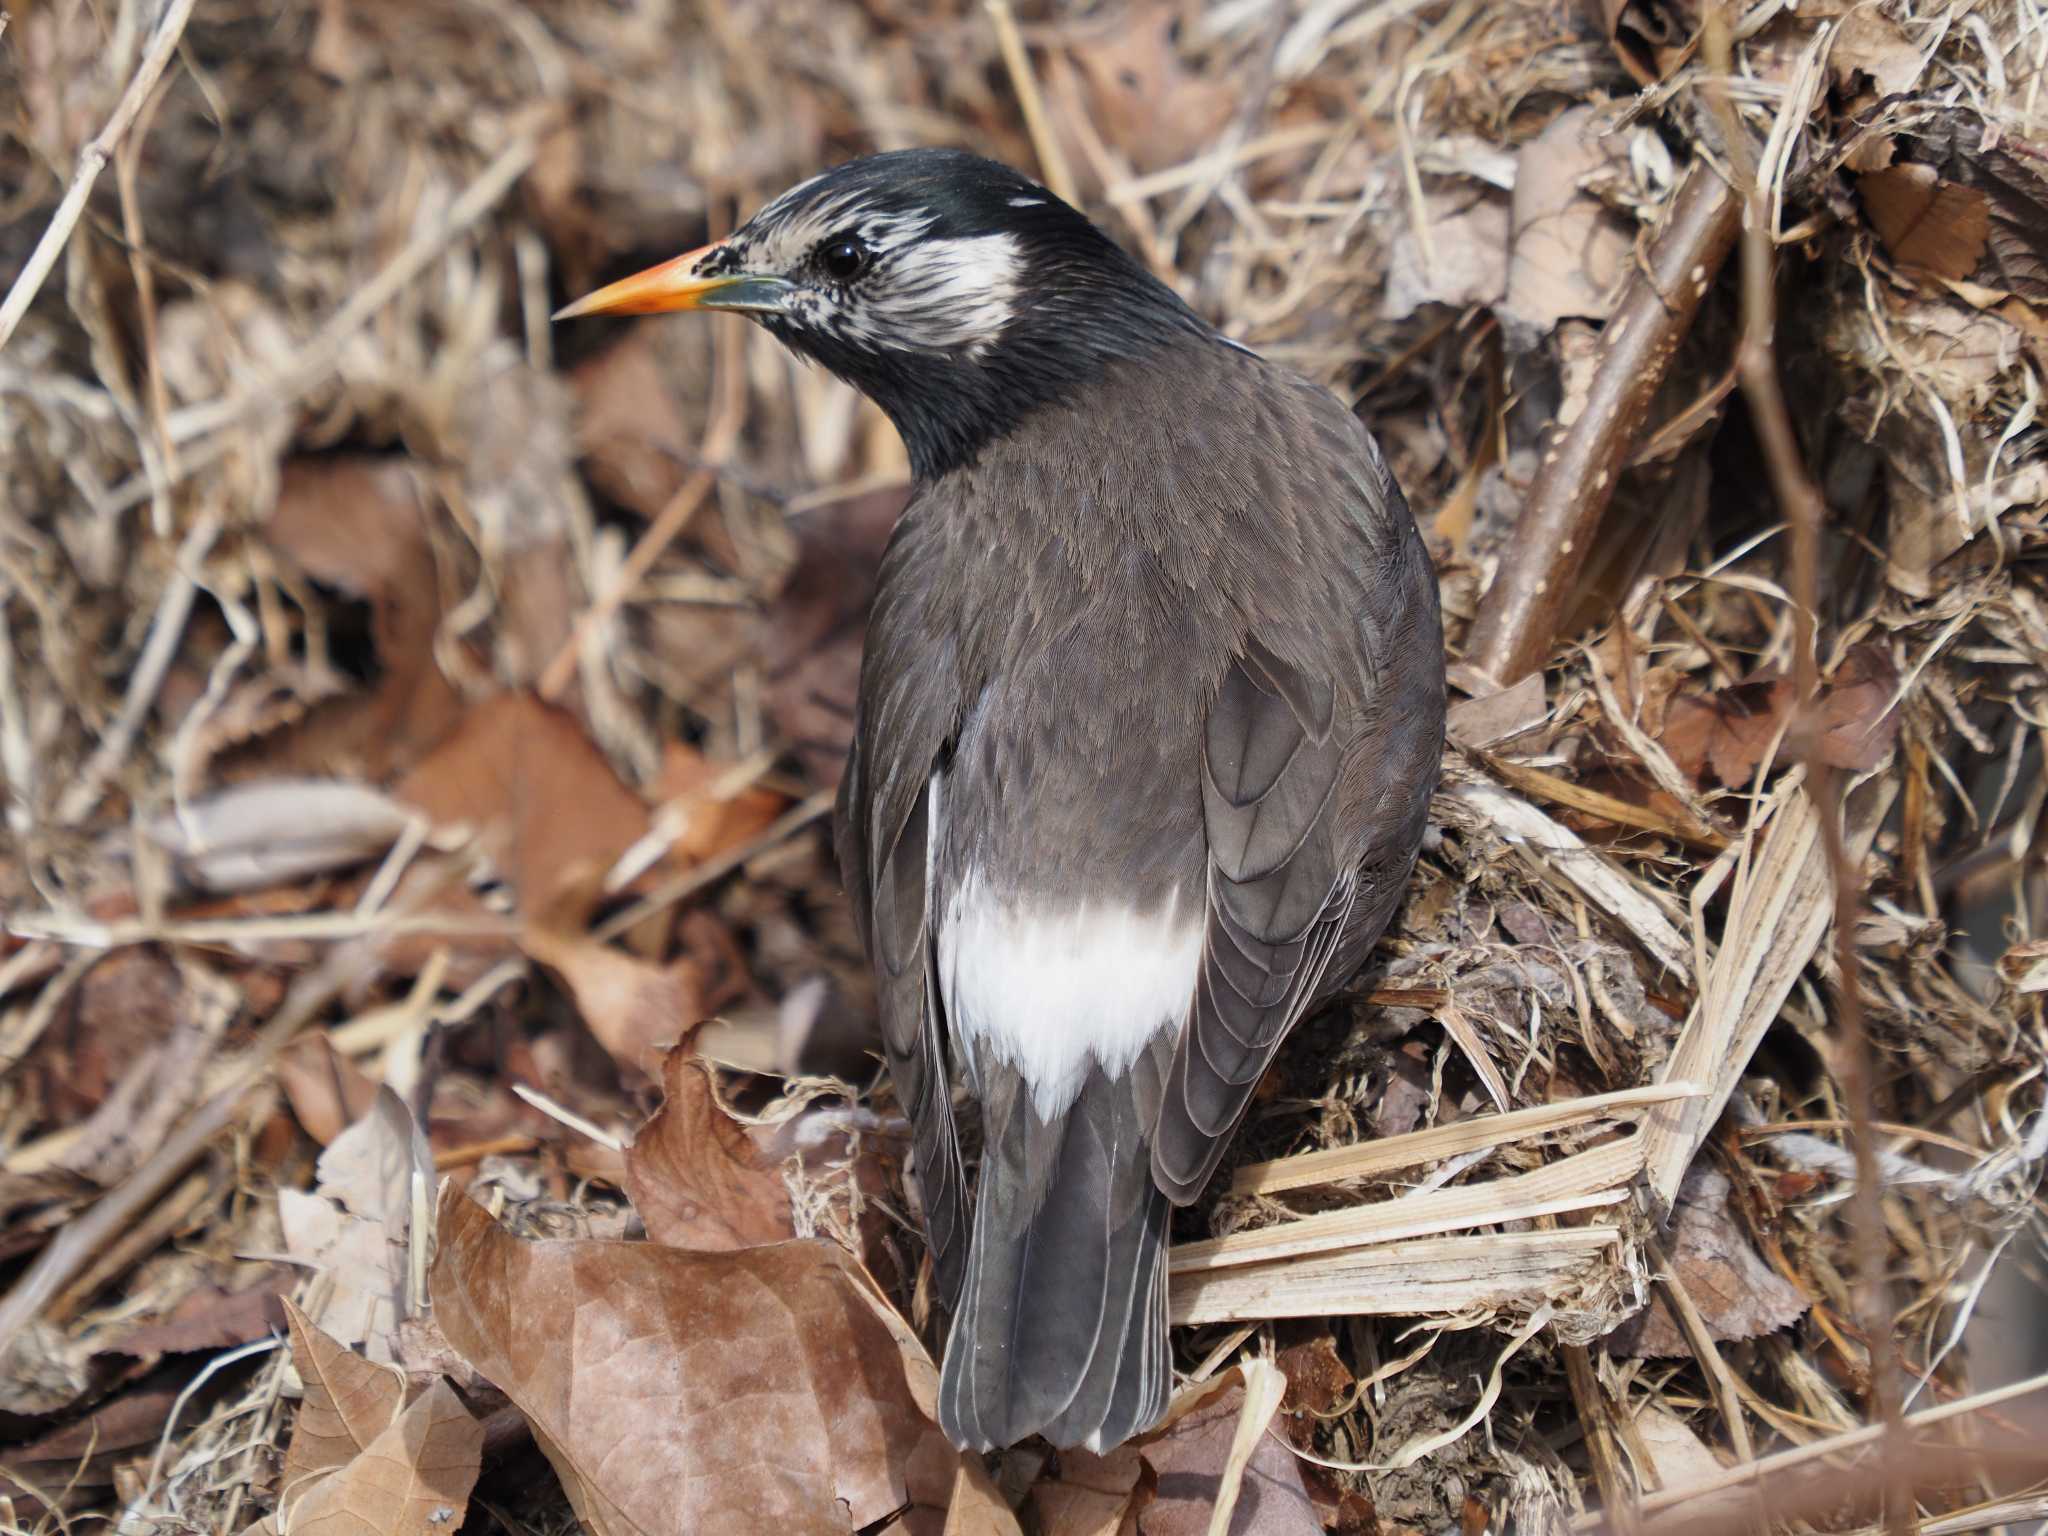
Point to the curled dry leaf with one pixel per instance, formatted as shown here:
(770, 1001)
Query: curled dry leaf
(358, 1229)
(637, 1009)
(327, 1092)
(695, 1175)
(2024, 967)
(1737, 1293)
(757, 1390)
(274, 831)
(1868, 42)
(1941, 226)
(1649, 36)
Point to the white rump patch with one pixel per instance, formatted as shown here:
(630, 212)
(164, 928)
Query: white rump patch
(1053, 992)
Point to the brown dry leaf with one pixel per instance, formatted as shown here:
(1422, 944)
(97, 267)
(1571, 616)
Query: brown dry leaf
(543, 799)
(82, 1456)
(1926, 222)
(696, 1177)
(629, 427)
(1189, 1455)
(707, 825)
(636, 1009)
(1680, 1458)
(754, 1390)
(1093, 1495)
(1730, 730)
(1469, 243)
(1737, 1293)
(1142, 99)
(210, 1319)
(325, 1090)
(976, 1507)
(2024, 967)
(359, 525)
(349, 1402)
(358, 1228)
(1869, 42)
(412, 1478)
(160, 1082)
(1859, 725)
(1569, 254)
(1649, 36)
(1727, 731)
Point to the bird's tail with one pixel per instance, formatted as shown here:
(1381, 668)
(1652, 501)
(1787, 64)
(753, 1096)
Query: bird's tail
(1061, 1323)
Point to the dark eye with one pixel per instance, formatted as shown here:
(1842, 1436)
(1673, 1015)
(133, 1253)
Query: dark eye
(843, 259)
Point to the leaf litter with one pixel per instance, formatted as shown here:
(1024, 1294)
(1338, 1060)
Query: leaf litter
(381, 667)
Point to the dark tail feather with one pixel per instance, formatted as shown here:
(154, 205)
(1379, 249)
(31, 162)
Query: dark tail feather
(1061, 1329)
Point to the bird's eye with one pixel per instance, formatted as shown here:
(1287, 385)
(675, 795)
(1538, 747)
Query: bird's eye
(843, 259)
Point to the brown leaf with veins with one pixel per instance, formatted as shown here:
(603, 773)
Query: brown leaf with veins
(749, 1391)
(363, 1460)
(349, 1402)
(1942, 226)
(1730, 730)
(1737, 1293)
(696, 1177)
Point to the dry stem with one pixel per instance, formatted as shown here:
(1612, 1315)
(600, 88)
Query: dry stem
(1800, 500)
(1584, 460)
(91, 161)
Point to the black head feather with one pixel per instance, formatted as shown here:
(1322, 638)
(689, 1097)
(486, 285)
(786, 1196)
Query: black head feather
(957, 294)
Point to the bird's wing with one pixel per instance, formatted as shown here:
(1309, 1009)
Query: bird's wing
(1281, 883)
(1319, 753)
(884, 827)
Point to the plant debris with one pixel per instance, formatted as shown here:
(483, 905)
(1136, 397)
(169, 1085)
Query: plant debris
(419, 726)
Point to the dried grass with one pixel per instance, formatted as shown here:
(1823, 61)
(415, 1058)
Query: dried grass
(333, 234)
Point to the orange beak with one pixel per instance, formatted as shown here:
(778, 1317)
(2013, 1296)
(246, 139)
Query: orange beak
(675, 285)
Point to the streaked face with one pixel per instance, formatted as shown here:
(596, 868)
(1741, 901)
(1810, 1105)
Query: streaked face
(873, 270)
(956, 293)
(852, 260)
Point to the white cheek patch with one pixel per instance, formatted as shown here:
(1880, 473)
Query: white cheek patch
(1054, 991)
(938, 295)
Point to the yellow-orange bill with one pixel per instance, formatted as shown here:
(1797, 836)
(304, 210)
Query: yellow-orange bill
(658, 290)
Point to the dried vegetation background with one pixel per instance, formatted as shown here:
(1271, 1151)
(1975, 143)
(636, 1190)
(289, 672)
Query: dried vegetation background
(415, 719)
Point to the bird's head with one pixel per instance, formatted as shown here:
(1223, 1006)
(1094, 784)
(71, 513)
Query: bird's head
(955, 293)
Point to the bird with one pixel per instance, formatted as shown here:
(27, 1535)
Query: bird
(1151, 708)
